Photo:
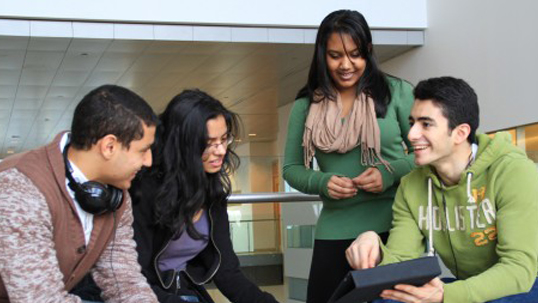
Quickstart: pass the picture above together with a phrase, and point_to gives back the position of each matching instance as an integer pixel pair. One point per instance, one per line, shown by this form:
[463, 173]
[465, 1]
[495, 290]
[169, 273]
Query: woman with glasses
[181, 223]
[352, 118]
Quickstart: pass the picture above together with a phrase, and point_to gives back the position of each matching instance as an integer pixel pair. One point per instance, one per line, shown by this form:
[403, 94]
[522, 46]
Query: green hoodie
[485, 233]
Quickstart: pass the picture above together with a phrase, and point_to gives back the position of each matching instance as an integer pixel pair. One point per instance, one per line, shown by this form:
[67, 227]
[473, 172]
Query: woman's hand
[370, 180]
[341, 188]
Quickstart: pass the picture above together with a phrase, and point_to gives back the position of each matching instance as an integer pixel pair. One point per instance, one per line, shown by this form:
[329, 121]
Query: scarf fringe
[369, 157]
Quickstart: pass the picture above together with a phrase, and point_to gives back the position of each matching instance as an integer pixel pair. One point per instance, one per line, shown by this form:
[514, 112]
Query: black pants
[329, 267]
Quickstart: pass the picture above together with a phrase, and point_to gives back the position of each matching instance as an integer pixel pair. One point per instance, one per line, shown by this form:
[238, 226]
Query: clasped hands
[365, 252]
[370, 180]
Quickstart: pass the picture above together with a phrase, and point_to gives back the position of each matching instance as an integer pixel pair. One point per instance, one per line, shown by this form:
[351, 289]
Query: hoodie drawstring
[470, 197]
[430, 217]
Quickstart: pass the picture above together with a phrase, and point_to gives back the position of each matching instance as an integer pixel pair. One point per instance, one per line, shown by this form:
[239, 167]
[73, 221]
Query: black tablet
[367, 284]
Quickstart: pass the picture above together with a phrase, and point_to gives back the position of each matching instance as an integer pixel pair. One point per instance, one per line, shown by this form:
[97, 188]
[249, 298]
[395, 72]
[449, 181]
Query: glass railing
[256, 226]
[267, 229]
[243, 237]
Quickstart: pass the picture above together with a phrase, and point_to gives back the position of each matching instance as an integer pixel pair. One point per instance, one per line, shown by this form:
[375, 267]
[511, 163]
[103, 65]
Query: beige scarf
[325, 130]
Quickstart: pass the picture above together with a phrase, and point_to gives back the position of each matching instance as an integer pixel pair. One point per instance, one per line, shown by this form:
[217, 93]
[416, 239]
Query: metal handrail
[272, 197]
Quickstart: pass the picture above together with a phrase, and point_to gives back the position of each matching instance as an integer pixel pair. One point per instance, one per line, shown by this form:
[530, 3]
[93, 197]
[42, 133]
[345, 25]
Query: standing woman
[181, 223]
[352, 118]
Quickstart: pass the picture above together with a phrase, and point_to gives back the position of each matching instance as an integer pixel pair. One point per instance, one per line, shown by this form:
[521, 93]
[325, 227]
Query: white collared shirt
[86, 219]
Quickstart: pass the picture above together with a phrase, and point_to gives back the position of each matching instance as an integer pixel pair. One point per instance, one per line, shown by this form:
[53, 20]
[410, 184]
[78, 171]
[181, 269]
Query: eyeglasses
[224, 142]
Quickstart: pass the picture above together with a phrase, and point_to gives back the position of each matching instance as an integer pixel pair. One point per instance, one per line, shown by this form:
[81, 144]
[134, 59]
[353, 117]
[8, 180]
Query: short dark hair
[373, 82]
[456, 98]
[110, 109]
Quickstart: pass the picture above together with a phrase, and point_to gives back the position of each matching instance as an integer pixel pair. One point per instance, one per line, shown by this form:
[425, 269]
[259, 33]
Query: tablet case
[367, 284]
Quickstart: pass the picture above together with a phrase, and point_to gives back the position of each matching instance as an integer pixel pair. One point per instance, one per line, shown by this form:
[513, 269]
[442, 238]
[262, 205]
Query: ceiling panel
[221, 63]
[232, 97]
[292, 66]
[165, 80]
[43, 60]
[71, 78]
[67, 92]
[214, 91]
[56, 103]
[116, 61]
[196, 79]
[283, 48]
[23, 115]
[165, 97]
[4, 115]
[185, 63]
[227, 80]
[255, 63]
[88, 45]
[48, 44]
[98, 78]
[45, 121]
[151, 63]
[288, 93]
[269, 48]
[14, 43]
[135, 79]
[80, 61]
[154, 97]
[4, 121]
[28, 103]
[6, 104]
[11, 59]
[257, 80]
[8, 91]
[128, 46]
[31, 91]
[262, 102]
[164, 47]
[83, 90]
[63, 124]
[390, 51]
[207, 48]
[242, 49]
[37, 77]
[9, 77]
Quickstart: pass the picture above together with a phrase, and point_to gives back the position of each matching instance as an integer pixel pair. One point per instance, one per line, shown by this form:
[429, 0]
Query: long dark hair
[373, 82]
[183, 186]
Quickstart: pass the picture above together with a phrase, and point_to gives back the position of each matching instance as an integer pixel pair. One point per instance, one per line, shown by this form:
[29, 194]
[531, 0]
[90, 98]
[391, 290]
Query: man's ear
[108, 146]
[462, 132]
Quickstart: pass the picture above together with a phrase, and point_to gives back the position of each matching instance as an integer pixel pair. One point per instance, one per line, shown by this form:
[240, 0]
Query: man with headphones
[483, 193]
[65, 210]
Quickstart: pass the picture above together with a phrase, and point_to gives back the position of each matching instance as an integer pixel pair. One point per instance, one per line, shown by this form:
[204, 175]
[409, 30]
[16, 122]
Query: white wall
[380, 13]
[493, 45]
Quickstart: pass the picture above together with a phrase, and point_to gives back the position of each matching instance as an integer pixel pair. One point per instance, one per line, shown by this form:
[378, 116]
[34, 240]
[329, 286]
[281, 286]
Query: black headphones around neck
[93, 197]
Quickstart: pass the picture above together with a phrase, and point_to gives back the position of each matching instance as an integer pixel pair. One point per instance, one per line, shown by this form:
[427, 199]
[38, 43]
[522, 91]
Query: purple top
[181, 250]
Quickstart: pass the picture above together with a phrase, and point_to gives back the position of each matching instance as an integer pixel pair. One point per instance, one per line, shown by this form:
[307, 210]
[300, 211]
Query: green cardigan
[347, 218]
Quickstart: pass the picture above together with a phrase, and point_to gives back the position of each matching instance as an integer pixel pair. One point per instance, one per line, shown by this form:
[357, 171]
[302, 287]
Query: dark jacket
[217, 262]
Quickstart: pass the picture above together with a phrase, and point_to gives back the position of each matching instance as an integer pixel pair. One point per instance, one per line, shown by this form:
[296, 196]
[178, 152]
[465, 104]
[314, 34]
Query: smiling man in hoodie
[485, 205]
